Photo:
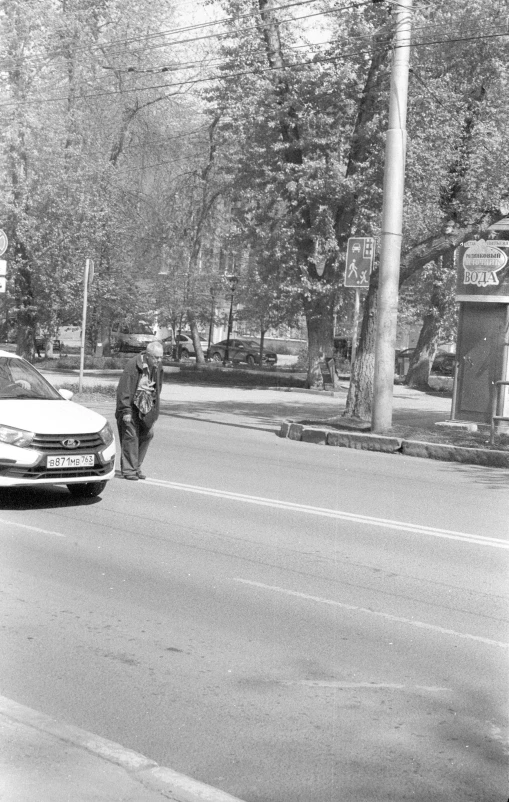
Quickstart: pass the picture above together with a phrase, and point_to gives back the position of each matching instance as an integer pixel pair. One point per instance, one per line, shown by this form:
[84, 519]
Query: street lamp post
[233, 283]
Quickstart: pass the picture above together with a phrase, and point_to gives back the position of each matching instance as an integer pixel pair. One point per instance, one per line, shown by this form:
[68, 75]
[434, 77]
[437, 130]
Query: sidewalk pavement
[266, 408]
[48, 761]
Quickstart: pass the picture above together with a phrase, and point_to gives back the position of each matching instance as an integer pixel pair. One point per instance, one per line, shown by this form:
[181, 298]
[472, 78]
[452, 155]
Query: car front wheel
[86, 489]
[216, 357]
[250, 360]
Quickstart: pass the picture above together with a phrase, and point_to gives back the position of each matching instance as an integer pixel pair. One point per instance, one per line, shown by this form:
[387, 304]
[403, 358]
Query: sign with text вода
[483, 269]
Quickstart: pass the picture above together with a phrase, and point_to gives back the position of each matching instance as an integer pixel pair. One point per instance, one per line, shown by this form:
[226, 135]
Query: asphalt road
[287, 622]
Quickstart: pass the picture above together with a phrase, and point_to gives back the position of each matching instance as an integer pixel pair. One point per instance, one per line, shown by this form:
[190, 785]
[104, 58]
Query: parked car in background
[45, 439]
[135, 335]
[185, 341]
[39, 345]
[241, 350]
[443, 364]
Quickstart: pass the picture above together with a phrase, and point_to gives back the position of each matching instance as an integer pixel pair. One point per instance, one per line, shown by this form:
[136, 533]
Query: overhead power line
[104, 46]
[232, 75]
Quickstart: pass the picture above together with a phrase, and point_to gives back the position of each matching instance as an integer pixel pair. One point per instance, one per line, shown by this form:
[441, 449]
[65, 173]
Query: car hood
[50, 417]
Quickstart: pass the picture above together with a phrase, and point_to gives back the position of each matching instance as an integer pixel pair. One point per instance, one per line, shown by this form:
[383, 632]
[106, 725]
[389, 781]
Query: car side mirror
[66, 394]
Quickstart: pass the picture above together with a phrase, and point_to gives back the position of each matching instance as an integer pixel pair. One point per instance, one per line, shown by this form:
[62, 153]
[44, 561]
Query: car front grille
[50, 443]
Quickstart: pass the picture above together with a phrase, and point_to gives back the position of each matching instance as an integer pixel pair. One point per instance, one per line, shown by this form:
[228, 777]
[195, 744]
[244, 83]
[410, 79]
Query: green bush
[91, 362]
[302, 359]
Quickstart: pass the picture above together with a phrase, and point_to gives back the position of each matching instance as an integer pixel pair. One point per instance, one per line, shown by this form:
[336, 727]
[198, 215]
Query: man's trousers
[134, 442]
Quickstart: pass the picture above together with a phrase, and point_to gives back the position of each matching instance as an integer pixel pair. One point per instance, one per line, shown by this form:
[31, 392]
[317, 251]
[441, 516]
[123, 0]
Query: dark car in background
[241, 350]
[443, 364]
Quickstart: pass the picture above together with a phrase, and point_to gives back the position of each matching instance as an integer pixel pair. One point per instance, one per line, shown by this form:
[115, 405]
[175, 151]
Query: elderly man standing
[137, 410]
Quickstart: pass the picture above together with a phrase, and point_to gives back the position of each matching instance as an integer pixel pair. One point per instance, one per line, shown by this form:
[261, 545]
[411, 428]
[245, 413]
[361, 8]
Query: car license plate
[71, 461]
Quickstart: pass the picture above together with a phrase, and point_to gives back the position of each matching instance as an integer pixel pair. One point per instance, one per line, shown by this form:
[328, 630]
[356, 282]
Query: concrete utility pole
[392, 214]
[88, 277]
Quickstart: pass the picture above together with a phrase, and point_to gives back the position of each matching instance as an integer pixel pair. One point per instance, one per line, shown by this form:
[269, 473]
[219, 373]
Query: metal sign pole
[355, 326]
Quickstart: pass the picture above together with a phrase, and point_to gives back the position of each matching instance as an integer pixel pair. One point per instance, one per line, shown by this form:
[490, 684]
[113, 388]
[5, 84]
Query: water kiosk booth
[482, 373]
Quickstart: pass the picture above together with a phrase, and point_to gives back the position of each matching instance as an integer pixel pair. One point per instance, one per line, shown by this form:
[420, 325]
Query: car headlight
[15, 437]
[106, 434]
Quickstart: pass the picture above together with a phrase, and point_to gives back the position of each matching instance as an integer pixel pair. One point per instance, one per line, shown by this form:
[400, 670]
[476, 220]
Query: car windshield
[18, 379]
[252, 344]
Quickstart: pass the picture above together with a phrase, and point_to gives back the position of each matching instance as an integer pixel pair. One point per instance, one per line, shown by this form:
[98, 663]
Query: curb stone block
[285, 428]
[295, 431]
[448, 453]
[367, 442]
[310, 435]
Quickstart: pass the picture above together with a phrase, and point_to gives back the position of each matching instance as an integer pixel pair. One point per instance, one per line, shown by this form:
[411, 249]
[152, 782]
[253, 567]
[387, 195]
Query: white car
[185, 341]
[45, 438]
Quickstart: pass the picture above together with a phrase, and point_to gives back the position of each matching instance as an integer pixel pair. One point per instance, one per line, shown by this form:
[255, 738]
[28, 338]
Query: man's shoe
[133, 477]
[141, 475]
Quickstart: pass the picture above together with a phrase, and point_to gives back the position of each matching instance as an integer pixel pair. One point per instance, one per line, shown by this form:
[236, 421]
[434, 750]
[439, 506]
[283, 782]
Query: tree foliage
[127, 144]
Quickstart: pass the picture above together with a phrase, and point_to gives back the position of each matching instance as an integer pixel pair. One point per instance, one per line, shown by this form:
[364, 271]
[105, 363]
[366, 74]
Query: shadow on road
[265, 416]
[271, 430]
[268, 416]
[35, 498]
[494, 478]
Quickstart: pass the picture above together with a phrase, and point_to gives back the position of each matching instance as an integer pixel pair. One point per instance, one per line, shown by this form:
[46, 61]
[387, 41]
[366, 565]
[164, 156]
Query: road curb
[393, 445]
[176, 786]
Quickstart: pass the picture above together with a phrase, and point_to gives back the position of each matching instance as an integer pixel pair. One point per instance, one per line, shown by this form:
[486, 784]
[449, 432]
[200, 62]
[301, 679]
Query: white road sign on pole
[3, 242]
[3, 284]
[359, 261]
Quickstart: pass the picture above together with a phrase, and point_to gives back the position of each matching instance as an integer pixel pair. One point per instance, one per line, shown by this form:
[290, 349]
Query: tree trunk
[104, 344]
[26, 315]
[360, 394]
[426, 348]
[48, 348]
[262, 340]
[195, 336]
[424, 354]
[320, 321]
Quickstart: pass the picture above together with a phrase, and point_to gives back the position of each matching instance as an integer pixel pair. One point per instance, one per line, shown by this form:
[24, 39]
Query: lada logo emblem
[70, 443]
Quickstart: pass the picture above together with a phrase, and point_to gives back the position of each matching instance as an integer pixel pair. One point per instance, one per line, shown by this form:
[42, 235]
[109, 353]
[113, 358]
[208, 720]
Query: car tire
[184, 354]
[251, 361]
[86, 489]
[216, 357]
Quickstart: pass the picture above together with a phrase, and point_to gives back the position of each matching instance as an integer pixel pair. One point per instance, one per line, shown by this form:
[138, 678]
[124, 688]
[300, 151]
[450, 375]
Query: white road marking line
[480, 540]
[387, 616]
[32, 528]
[375, 686]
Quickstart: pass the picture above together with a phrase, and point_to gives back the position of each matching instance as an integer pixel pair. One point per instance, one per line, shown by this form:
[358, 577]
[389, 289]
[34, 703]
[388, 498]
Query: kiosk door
[480, 358]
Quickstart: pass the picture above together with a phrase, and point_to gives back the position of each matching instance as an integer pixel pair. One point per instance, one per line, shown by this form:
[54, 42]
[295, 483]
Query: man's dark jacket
[127, 387]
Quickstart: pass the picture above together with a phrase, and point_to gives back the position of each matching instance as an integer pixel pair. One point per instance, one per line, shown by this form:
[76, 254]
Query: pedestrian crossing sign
[360, 255]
